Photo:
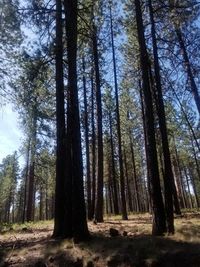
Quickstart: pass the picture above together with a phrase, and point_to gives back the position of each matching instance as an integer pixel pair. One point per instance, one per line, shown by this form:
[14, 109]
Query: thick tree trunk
[62, 225]
[168, 174]
[79, 223]
[159, 223]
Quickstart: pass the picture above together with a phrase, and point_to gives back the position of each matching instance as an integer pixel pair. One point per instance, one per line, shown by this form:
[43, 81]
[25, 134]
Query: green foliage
[9, 173]
[10, 40]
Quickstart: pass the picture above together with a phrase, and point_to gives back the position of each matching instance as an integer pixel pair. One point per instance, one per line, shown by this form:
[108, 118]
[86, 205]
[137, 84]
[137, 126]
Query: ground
[32, 245]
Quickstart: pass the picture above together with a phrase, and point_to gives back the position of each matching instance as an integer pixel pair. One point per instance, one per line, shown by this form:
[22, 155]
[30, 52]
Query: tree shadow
[138, 250]
[189, 232]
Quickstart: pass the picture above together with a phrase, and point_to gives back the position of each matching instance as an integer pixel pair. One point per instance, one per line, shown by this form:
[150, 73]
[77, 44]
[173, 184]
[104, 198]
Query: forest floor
[32, 245]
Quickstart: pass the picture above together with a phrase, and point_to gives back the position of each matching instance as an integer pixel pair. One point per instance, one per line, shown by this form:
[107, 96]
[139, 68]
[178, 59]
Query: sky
[10, 133]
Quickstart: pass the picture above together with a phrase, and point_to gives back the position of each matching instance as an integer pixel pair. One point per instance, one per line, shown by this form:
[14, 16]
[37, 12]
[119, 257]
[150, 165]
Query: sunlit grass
[138, 245]
[15, 227]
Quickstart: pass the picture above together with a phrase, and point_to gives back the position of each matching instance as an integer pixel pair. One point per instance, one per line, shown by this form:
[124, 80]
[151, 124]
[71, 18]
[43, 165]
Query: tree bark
[114, 180]
[99, 199]
[93, 151]
[121, 169]
[168, 174]
[62, 225]
[159, 223]
[89, 211]
[188, 67]
[31, 180]
[79, 223]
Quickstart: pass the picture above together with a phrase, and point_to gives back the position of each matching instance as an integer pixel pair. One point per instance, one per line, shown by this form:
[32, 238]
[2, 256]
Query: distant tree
[121, 168]
[9, 174]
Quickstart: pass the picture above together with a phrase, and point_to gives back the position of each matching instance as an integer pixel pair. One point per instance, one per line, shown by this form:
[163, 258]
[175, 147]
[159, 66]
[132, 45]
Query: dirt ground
[133, 246]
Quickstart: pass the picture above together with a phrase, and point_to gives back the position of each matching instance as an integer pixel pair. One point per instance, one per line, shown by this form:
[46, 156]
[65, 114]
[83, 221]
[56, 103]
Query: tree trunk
[99, 199]
[26, 182]
[159, 223]
[93, 151]
[168, 174]
[62, 225]
[31, 180]
[194, 186]
[129, 196]
[188, 67]
[121, 169]
[79, 223]
[89, 213]
[188, 187]
[114, 179]
[134, 175]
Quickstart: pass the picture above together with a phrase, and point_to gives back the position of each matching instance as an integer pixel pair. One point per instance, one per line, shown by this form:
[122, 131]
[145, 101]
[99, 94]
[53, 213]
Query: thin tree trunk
[87, 146]
[145, 145]
[180, 174]
[187, 119]
[194, 187]
[99, 200]
[134, 175]
[114, 180]
[26, 183]
[178, 183]
[93, 151]
[129, 196]
[188, 188]
[121, 169]
[31, 198]
[188, 67]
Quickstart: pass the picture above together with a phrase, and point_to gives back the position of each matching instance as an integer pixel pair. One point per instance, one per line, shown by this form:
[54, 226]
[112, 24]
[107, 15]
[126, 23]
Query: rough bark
[159, 223]
[62, 226]
[167, 174]
[79, 223]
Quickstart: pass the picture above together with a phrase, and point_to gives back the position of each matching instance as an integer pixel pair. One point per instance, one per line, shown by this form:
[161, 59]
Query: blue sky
[10, 133]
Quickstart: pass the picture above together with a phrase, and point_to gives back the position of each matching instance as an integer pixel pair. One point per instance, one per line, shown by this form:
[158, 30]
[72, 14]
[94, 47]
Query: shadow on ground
[102, 251]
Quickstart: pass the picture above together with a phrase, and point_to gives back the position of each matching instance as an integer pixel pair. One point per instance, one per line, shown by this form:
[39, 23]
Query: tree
[62, 226]
[186, 61]
[9, 174]
[72, 195]
[168, 174]
[121, 168]
[159, 225]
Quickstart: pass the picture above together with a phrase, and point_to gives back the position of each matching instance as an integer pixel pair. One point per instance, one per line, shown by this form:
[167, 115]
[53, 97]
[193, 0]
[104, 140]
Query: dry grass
[33, 246]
